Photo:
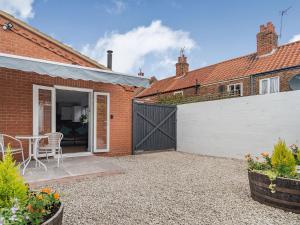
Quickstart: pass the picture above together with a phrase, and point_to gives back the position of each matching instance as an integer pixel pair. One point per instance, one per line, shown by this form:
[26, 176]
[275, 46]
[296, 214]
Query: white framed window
[235, 89]
[178, 93]
[269, 85]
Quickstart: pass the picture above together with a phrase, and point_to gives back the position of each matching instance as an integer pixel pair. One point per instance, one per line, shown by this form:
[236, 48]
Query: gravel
[169, 188]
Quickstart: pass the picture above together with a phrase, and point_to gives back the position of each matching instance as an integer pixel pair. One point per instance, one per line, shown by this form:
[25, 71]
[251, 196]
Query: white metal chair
[53, 146]
[15, 149]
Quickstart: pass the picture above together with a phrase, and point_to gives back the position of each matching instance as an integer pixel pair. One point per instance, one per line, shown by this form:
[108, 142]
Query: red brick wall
[16, 106]
[20, 41]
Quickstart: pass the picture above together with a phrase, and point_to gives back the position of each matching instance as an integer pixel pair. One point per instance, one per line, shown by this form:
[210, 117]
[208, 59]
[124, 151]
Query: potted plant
[83, 119]
[273, 179]
[22, 206]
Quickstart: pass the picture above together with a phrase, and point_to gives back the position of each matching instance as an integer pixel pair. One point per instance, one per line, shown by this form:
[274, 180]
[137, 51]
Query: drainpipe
[252, 84]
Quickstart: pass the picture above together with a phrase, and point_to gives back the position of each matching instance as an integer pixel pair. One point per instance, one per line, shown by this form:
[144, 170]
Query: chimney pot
[109, 59]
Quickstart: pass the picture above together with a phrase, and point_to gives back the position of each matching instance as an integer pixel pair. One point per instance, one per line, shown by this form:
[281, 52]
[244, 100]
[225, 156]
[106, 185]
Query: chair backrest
[2, 150]
[2, 140]
[2, 145]
[54, 139]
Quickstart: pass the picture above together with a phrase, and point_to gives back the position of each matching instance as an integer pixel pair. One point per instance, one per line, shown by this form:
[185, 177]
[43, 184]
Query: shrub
[283, 160]
[12, 185]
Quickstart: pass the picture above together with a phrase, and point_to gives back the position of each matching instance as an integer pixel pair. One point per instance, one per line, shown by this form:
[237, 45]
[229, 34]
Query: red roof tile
[283, 57]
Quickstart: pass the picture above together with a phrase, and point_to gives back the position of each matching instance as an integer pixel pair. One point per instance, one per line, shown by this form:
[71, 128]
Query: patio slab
[71, 168]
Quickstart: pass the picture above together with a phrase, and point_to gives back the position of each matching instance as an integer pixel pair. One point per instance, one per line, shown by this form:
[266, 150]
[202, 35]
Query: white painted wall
[234, 127]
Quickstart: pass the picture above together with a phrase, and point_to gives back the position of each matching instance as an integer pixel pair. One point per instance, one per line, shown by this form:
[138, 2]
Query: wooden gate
[154, 127]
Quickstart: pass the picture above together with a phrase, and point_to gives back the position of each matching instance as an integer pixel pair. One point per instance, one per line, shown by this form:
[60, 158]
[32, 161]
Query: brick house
[46, 86]
[270, 69]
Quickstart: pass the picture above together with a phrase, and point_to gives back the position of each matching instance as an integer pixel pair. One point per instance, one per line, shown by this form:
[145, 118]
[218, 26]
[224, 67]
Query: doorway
[83, 116]
[72, 120]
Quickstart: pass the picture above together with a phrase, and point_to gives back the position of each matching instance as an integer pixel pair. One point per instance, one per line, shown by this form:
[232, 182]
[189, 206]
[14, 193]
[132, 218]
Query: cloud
[117, 7]
[19, 8]
[295, 38]
[152, 47]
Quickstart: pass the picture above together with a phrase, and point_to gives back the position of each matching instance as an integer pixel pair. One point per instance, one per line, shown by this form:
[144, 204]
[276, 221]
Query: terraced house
[270, 69]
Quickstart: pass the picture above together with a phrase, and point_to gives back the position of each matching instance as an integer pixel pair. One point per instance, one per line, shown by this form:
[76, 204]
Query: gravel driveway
[169, 188]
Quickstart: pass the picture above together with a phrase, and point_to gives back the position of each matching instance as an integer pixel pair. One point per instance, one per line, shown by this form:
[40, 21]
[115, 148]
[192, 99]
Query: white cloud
[19, 8]
[295, 38]
[154, 46]
[117, 7]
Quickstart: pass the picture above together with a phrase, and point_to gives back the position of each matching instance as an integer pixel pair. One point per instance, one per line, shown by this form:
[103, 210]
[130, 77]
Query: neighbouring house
[270, 69]
[46, 86]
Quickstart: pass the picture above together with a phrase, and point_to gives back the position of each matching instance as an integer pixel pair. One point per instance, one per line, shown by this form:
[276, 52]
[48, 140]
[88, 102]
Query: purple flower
[14, 210]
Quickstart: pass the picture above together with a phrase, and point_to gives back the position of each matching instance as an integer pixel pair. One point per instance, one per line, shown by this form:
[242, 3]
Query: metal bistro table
[32, 150]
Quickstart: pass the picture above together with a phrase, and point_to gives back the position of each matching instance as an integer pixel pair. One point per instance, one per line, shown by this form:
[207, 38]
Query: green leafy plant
[83, 118]
[283, 160]
[12, 185]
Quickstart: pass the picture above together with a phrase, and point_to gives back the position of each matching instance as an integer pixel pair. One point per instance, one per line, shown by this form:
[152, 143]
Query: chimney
[182, 67]
[266, 39]
[109, 59]
[152, 79]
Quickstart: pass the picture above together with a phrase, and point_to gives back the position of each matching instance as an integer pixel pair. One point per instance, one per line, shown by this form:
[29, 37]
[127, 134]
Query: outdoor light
[7, 26]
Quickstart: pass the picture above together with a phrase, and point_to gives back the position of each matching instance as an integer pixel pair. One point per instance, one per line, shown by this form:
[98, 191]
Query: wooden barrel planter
[56, 219]
[286, 196]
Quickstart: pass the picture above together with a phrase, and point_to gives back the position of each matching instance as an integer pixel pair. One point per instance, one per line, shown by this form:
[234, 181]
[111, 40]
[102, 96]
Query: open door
[101, 122]
[43, 110]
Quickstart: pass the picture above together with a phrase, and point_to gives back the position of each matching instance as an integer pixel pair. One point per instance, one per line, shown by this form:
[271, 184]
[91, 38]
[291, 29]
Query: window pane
[274, 85]
[101, 123]
[45, 109]
[264, 87]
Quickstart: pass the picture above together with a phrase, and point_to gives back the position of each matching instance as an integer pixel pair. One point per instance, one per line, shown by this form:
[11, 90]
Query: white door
[43, 110]
[101, 122]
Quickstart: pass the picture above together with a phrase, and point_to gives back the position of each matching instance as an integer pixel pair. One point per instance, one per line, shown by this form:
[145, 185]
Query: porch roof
[66, 71]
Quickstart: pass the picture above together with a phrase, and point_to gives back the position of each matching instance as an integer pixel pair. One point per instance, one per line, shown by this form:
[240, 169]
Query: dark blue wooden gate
[154, 127]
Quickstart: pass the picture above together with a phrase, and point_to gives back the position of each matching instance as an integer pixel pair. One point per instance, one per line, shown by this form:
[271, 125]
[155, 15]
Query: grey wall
[234, 127]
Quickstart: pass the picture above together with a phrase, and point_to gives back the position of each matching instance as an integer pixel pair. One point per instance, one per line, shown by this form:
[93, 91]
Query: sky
[149, 34]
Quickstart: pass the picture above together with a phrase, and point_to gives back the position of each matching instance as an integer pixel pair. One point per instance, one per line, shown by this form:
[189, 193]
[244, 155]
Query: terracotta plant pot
[57, 218]
[286, 196]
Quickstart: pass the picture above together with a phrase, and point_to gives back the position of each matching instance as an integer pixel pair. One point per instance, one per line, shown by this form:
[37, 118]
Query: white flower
[13, 218]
